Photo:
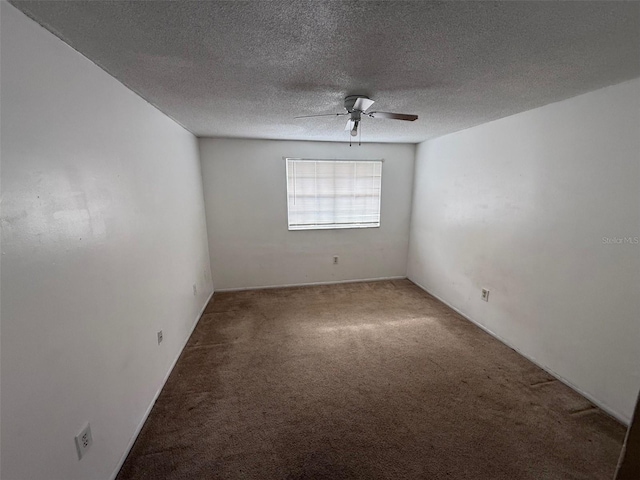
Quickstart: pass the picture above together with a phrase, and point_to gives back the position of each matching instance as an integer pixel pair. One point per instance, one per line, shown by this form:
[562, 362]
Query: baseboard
[610, 411]
[332, 282]
[134, 437]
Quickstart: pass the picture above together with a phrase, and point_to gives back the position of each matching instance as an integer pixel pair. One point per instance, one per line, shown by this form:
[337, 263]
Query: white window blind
[324, 194]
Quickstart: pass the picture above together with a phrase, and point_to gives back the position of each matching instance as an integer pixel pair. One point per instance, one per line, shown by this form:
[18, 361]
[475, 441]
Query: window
[323, 194]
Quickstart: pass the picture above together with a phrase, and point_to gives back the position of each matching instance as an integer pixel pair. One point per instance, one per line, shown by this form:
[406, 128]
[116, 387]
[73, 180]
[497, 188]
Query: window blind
[325, 194]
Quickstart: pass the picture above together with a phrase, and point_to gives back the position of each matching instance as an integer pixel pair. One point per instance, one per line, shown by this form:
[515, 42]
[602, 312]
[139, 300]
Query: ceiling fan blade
[362, 104]
[322, 115]
[349, 125]
[393, 116]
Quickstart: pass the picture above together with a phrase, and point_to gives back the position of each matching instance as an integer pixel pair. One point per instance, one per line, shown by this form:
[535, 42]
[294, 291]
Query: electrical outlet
[335, 260]
[84, 440]
[195, 290]
[159, 337]
[485, 295]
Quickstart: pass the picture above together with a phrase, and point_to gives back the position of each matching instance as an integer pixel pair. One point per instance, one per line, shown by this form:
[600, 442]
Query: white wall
[246, 203]
[521, 206]
[103, 235]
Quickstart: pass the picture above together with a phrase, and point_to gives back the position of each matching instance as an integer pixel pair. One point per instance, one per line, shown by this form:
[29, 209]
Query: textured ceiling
[245, 69]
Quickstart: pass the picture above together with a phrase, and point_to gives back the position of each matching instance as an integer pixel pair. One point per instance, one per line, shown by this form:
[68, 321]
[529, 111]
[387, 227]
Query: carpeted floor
[372, 380]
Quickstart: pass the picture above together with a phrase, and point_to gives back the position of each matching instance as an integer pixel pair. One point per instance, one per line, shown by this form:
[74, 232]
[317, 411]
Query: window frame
[332, 226]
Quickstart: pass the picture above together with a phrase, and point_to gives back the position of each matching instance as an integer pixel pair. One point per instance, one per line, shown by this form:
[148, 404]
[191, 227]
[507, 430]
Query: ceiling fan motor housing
[351, 100]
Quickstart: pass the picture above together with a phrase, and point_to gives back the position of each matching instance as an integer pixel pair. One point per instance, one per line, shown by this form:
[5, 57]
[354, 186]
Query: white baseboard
[332, 282]
[604, 407]
[134, 437]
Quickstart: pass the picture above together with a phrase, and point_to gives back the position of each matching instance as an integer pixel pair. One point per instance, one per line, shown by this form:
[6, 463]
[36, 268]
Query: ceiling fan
[357, 106]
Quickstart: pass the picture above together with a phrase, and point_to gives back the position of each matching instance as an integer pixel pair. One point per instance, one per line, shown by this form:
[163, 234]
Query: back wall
[246, 207]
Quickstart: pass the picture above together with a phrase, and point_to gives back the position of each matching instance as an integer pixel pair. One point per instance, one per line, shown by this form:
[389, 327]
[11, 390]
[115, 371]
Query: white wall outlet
[84, 440]
[485, 294]
[195, 290]
[335, 259]
[159, 337]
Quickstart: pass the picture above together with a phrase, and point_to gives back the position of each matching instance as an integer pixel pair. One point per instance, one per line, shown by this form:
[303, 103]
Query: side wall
[246, 203]
[543, 209]
[103, 236]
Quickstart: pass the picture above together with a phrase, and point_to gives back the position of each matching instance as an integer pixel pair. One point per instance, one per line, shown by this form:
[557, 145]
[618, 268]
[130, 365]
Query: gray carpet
[372, 380]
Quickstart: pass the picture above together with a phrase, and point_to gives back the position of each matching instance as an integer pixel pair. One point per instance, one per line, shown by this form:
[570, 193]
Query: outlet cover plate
[160, 337]
[485, 295]
[84, 440]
